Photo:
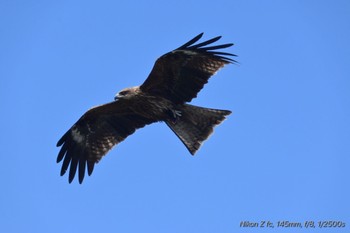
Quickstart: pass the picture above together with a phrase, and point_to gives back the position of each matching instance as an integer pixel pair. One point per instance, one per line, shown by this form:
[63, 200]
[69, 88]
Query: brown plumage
[175, 79]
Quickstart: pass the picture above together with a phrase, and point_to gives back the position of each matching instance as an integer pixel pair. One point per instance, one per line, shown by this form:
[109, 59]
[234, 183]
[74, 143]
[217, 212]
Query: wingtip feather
[200, 47]
[191, 42]
[213, 40]
[82, 165]
[62, 139]
[61, 153]
[90, 167]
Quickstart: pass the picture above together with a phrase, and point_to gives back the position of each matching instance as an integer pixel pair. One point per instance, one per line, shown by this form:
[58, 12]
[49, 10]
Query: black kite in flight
[175, 79]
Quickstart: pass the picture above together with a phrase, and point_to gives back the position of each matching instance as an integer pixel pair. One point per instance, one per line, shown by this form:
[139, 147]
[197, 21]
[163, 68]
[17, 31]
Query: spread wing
[180, 74]
[94, 134]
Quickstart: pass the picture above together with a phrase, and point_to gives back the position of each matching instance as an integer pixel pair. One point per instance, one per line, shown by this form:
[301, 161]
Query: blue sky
[282, 155]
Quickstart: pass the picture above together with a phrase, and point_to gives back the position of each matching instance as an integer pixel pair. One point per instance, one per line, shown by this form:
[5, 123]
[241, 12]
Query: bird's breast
[152, 107]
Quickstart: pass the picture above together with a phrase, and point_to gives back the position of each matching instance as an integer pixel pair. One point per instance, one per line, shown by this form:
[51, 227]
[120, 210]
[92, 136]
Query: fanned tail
[196, 124]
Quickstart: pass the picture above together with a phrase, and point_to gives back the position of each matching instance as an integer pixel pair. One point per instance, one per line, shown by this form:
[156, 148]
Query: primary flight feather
[175, 79]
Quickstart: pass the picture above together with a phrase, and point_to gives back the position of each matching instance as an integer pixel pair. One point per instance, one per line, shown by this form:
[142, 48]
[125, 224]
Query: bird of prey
[175, 79]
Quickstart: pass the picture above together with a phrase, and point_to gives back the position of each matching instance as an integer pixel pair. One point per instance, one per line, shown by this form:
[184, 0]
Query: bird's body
[155, 108]
[175, 79]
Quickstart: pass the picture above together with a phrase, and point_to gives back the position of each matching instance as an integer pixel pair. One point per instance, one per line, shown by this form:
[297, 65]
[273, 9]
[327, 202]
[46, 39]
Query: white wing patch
[187, 52]
[77, 136]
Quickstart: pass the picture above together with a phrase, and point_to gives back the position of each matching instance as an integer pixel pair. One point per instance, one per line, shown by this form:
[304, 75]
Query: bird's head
[127, 93]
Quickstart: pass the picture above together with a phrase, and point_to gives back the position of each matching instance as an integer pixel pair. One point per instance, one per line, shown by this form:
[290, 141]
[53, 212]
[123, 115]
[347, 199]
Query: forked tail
[196, 124]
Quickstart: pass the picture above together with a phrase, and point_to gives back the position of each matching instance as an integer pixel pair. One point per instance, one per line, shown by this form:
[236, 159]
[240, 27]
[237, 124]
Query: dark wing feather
[94, 134]
[179, 75]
